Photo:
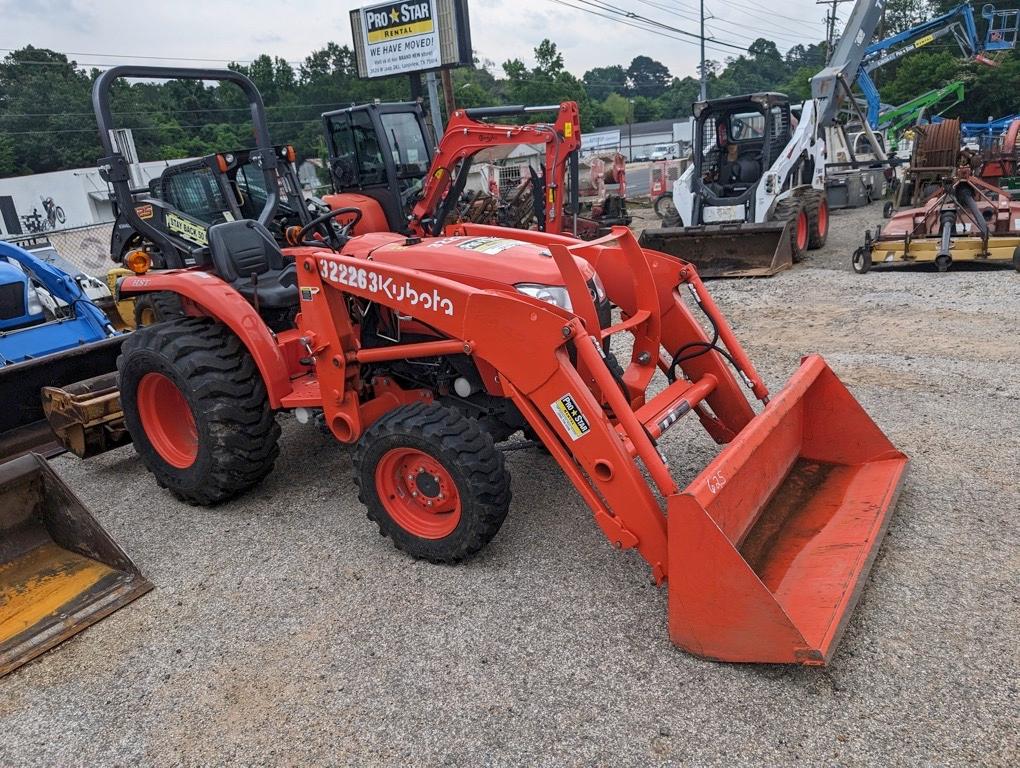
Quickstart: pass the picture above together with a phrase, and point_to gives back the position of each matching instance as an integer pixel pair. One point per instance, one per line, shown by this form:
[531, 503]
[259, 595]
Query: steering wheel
[335, 236]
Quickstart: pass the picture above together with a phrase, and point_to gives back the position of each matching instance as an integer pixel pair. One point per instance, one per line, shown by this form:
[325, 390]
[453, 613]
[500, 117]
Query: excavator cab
[379, 152]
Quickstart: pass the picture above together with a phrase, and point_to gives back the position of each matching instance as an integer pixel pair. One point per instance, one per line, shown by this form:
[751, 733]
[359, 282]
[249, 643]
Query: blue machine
[26, 331]
[51, 335]
[1001, 35]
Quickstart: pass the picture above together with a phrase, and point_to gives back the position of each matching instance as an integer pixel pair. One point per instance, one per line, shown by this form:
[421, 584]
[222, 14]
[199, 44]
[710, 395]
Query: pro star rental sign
[400, 37]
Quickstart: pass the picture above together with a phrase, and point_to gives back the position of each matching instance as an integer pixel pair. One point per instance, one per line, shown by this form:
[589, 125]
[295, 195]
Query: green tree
[647, 77]
[619, 108]
[602, 81]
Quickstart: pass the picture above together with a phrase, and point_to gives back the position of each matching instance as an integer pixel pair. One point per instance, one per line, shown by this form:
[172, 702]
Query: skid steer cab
[424, 352]
[752, 202]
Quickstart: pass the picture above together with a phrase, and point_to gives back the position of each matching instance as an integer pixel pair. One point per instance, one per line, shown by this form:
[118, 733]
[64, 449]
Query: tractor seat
[241, 249]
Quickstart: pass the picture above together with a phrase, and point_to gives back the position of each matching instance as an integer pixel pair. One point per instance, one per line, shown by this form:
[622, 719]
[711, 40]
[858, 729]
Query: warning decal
[570, 417]
[488, 245]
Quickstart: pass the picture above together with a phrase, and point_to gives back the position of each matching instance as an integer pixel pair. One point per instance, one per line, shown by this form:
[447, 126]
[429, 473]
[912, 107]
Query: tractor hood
[467, 258]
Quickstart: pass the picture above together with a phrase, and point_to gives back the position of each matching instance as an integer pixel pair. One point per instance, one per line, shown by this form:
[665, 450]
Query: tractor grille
[12, 301]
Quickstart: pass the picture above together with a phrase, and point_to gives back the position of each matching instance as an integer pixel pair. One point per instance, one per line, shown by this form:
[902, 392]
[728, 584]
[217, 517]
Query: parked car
[664, 152]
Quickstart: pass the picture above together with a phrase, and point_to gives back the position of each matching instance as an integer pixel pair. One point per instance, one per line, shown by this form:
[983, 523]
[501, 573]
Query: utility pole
[434, 112]
[830, 25]
[704, 80]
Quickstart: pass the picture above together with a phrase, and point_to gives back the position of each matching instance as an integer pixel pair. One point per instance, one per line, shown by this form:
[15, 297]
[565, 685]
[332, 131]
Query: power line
[752, 32]
[617, 20]
[637, 17]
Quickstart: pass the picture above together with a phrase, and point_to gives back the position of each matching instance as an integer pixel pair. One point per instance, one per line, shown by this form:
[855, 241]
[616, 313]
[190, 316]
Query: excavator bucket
[59, 570]
[771, 544]
[726, 250]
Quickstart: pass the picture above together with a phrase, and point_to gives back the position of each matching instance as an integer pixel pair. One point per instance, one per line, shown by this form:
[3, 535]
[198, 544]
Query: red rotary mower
[422, 352]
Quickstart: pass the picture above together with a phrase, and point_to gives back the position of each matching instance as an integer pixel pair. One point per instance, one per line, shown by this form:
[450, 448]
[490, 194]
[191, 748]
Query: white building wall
[80, 193]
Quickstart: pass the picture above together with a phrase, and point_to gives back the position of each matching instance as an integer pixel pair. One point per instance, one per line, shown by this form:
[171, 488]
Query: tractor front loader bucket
[23, 425]
[59, 570]
[771, 544]
[726, 250]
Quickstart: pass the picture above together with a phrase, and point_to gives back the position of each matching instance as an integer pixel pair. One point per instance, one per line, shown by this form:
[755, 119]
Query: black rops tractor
[169, 221]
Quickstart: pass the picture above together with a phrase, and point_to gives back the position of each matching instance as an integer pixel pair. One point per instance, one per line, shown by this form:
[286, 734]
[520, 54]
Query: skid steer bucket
[770, 546]
[59, 570]
[726, 250]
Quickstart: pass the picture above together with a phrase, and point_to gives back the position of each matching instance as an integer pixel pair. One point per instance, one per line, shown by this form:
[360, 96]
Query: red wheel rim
[823, 218]
[802, 231]
[418, 493]
[167, 420]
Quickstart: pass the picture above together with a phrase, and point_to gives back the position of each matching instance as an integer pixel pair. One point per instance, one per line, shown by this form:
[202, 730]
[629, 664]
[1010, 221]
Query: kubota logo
[369, 281]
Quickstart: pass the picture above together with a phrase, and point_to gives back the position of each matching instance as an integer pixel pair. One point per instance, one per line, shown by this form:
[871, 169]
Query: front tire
[816, 206]
[861, 261]
[197, 409]
[432, 481]
[664, 207]
[792, 210]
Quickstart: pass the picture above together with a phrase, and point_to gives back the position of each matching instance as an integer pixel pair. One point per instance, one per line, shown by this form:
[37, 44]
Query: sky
[216, 31]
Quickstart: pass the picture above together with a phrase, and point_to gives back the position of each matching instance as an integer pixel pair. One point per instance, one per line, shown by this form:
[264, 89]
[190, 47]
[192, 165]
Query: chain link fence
[86, 249]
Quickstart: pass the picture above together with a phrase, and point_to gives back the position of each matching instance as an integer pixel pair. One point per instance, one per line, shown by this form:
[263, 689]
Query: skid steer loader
[425, 350]
[752, 202]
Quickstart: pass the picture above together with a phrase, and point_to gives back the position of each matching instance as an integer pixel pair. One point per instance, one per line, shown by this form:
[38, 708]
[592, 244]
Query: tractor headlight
[553, 294]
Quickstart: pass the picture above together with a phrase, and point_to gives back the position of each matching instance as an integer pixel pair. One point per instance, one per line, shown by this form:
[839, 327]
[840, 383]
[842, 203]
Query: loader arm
[467, 134]
[765, 552]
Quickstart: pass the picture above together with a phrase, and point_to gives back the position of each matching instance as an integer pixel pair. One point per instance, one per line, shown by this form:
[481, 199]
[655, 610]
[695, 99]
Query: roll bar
[115, 168]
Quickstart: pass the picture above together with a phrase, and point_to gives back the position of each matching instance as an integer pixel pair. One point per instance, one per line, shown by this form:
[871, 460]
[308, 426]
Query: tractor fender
[210, 296]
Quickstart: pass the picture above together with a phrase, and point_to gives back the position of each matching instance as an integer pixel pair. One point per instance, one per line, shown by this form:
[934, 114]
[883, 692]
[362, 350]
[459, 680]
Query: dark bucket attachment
[771, 544]
[726, 250]
[59, 570]
[23, 425]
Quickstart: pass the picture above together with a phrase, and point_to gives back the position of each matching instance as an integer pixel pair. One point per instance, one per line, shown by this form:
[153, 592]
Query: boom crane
[959, 22]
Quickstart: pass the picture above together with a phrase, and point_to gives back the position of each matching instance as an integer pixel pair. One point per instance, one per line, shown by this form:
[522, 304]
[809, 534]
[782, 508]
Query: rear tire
[197, 409]
[432, 481]
[817, 208]
[791, 209]
[152, 308]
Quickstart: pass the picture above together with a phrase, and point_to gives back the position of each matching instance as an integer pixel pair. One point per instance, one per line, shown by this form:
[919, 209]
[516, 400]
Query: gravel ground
[283, 630]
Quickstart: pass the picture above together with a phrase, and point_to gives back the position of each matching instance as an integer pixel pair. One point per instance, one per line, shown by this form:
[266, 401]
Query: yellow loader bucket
[59, 570]
[727, 250]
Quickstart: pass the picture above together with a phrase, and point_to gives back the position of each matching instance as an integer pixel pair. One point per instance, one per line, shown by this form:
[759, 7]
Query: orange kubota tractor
[418, 349]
